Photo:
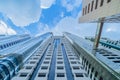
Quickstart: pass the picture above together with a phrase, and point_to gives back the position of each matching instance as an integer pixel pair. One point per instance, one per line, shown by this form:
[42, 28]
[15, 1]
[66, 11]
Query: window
[116, 61]
[101, 4]
[102, 53]
[92, 5]
[88, 7]
[111, 57]
[92, 69]
[35, 58]
[28, 67]
[71, 58]
[44, 67]
[118, 57]
[76, 67]
[60, 75]
[59, 58]
[7, 45]
[108, 1]
[32, 62]
[47, 58]
[38, 55]
[42, 75]
[48, 55]
[59, 62]
[1, 47]
[46, 62]
[79, 63]
[87, 63]
[60, 67]
[23, 74]
[96, 4]
[4, 46]
[106, 55]
[70, 55]
[79, 74]
[91, 75]
[89, 66]
[59, 55]
[73, 62]
[10, 44]
[85, 60]
[86, 10]
[96, 73]
[88, 71]
[101, 78]
[114, 55]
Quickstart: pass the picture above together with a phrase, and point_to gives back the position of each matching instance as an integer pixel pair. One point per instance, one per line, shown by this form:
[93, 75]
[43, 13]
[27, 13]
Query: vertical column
[98, 35]
[53, 61]
[67, 64]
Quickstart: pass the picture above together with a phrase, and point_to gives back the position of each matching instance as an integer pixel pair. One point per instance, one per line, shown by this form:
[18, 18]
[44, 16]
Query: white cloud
[112, 27]
[4, 29]
[46, 3]
[10, 31]
[62, 14]
[70, 6]
[71, 25]
[43, 28]
[21, 12]
[111, 30]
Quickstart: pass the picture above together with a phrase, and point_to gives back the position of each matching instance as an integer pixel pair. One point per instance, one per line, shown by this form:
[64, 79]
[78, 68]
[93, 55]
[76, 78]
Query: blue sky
[39, 16]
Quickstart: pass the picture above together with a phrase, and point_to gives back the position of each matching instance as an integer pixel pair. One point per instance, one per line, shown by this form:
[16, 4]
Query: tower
[100, 11]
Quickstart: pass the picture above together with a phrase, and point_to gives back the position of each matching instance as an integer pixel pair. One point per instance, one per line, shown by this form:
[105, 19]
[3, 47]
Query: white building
[92, 10]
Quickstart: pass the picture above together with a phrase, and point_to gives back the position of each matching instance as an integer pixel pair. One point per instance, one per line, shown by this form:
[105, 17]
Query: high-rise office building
[66, 57]
[55, 59]
[46, 57]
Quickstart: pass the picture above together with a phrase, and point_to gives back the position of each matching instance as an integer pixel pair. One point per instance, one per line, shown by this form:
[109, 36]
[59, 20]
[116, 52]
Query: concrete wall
[106, 10]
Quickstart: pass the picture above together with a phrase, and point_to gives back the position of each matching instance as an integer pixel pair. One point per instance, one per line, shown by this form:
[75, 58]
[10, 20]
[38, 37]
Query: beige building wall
[105, 9]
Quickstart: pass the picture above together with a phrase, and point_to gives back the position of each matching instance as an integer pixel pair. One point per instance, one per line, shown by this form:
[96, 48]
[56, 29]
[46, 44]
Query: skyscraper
[66, 57]
[55, 59]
